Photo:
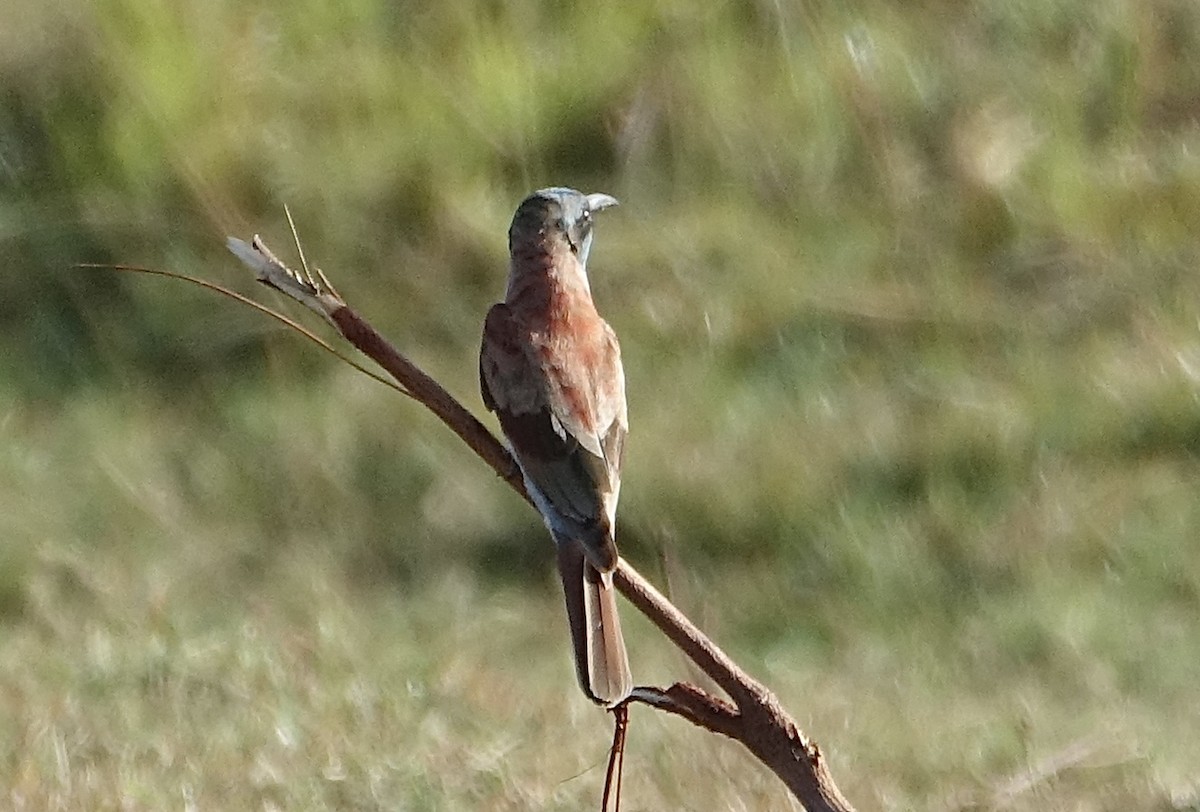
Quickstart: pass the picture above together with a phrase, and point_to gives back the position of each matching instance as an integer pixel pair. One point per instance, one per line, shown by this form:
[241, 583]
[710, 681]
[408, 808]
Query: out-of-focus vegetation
[909, 303]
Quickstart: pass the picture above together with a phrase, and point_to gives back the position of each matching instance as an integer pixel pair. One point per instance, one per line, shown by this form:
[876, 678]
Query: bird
[550, 369]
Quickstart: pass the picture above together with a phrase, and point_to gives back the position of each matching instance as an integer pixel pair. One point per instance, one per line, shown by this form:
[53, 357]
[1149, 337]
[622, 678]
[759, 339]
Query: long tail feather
[601, 662]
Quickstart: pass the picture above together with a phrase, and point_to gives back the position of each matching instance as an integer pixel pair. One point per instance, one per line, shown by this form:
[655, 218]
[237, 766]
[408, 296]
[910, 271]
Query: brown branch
[695, 704]
[755, 718]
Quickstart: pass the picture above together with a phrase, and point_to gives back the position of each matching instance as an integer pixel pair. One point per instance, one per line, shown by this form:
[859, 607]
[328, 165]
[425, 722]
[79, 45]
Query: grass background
[909, 308]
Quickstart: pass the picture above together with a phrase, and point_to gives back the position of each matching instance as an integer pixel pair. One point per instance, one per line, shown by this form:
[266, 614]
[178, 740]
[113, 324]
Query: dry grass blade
[246, 300]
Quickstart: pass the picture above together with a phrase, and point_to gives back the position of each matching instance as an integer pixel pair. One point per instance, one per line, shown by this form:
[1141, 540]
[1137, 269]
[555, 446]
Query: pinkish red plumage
[550, 368]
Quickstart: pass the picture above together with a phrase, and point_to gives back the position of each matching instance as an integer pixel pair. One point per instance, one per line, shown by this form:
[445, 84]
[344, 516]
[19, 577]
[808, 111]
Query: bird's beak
[598, 200]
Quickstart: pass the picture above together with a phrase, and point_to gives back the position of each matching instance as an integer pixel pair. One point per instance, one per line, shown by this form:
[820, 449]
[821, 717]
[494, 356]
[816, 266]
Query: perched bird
[550, 368]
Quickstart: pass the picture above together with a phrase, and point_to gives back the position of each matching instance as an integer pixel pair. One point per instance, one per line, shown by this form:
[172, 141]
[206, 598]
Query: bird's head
[557, 215]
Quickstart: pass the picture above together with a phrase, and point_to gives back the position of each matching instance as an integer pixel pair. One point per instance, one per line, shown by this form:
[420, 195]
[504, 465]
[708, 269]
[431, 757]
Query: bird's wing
[562, 407]
[506, 378]
[586, 394]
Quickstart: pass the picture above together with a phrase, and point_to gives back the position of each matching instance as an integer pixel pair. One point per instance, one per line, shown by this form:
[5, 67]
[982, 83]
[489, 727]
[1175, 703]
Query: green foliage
[908, 303]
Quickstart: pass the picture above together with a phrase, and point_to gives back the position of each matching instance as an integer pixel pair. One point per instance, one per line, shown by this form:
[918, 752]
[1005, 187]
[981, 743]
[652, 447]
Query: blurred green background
[911, 324]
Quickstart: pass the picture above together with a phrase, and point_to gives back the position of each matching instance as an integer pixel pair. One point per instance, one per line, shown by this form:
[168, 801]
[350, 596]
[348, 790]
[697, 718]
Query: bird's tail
[601, 662]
